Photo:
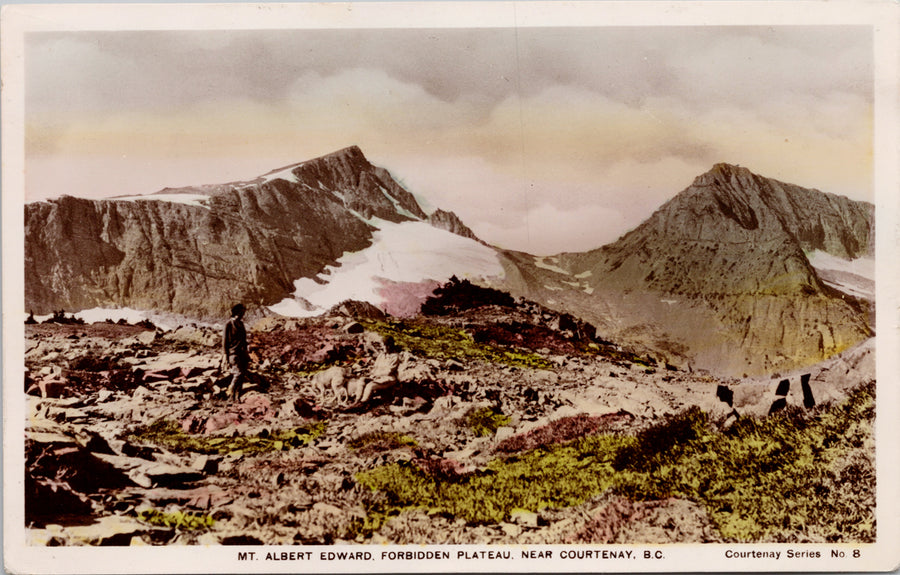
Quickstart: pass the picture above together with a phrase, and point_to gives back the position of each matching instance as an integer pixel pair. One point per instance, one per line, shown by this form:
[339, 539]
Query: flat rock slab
[152, 474]
[113, 530]
[204, 497]
[166, 475]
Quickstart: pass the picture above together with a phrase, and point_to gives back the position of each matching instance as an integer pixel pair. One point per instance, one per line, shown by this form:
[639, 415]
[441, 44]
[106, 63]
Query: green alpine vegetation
[438, 341]
[375, 441]
[169, 434]
[176, 519]
[485, 421]
[794, 476]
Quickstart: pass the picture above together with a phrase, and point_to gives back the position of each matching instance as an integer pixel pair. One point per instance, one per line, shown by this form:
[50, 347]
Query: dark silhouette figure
[784, 386]
[234, 345]
[725, 394]
[808, 400]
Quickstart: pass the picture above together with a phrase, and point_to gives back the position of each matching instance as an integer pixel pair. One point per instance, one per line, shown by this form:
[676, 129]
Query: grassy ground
[169, 434]
[437, 341]
[176, 519]
[795, 476]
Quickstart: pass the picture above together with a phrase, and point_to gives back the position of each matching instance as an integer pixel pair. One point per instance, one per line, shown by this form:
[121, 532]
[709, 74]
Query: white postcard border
[17, 20]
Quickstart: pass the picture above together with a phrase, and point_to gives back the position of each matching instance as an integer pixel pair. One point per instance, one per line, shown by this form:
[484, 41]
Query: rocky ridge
[451, 222]
[718, 278]
[243, 241]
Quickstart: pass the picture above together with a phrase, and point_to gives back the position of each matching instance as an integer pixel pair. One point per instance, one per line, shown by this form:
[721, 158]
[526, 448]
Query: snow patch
[863, 267]
[397, 207]
[851, 289]
[853, 277]
[408, 252]
[286, 174]
[373, 221]
[584, 275]
[164, 321]
[542, 262]
[99, 314]
[198, 200]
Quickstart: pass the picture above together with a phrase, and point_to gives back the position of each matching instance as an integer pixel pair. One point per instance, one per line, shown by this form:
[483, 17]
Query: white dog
[335, 379]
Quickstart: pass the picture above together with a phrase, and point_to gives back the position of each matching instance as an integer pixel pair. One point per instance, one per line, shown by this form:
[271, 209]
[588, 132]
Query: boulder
[357, 309]
[59, 473]
[51, 386]
[193, 335]
[443, 405]
[147, 337]
[543, 377]
[353, 327]
[503, 433]
[48, 501]
[524, 517]
[93, 442]
[454, 365]
[267, 324]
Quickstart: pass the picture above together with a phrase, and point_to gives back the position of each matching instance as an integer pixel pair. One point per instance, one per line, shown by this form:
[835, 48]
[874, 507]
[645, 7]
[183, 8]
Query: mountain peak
[723, 172]
[726, 168]
[450, 221]
[352, 154]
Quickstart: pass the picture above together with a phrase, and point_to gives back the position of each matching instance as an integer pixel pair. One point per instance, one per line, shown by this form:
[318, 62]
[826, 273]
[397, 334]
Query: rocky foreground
[129, 440]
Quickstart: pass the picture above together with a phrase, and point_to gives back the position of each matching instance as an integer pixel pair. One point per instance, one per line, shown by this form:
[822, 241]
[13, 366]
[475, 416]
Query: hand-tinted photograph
[543, 285]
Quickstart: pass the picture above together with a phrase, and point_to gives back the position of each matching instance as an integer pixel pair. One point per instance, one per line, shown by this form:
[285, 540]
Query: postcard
[451, 287]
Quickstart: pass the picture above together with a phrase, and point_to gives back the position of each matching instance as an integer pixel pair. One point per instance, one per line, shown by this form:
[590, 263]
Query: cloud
[547, 230]
[514, 211]
[583, 125]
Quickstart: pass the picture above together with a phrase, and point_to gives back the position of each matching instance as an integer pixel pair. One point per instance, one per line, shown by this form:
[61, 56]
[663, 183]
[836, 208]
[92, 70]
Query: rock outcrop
[451, 222]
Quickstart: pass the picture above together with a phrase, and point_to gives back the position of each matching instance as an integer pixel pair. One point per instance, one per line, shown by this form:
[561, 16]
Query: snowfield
[162, 320]
[286, 174]
[409, 252]
[864, 267]
[198, 200]
[854, 277]
[400, 209]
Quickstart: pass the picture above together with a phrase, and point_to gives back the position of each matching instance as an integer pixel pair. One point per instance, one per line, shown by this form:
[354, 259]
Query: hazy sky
[541, 139]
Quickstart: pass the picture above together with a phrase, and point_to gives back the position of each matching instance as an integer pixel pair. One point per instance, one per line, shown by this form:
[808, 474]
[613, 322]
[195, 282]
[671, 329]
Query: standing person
[234, 345]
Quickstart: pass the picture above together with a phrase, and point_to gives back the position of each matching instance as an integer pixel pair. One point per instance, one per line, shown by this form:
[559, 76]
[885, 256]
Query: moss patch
[437, 341]
[170, 435]
[561, 430]
[789, 477]
[376, 441]
[176, 520]
[567, 476]
[484, 421]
